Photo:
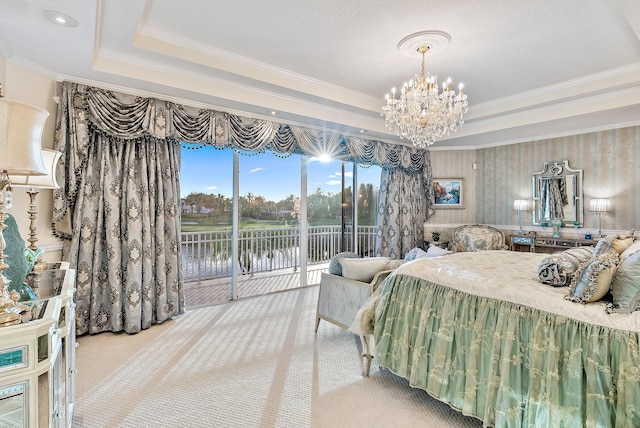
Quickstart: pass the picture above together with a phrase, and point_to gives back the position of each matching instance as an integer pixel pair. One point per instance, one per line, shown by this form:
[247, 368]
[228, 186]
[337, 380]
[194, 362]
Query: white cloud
[339, 174]
[256, 170]
[211, 187]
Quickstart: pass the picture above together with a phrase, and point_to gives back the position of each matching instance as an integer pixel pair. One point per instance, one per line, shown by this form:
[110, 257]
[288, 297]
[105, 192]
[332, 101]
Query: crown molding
[32, 66]
[571, 108]
[194, 51]
[581, 87]
[178, 78]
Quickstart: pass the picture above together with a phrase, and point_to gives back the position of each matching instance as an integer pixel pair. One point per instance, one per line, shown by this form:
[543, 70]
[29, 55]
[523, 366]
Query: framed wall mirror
[557, 194]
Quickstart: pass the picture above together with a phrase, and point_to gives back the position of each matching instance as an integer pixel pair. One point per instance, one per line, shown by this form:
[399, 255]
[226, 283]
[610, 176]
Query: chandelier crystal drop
[421, 113]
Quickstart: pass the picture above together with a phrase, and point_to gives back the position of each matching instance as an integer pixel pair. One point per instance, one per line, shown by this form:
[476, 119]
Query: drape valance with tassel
[130, 117]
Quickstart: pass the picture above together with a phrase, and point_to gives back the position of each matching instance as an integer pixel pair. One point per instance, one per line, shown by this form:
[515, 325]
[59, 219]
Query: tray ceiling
[532, 69]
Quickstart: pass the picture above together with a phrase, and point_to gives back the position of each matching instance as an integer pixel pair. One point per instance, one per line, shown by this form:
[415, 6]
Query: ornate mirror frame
[557, 193]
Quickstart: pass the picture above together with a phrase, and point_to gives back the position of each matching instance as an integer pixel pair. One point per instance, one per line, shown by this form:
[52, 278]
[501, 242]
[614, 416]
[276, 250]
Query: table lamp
[34, 183]
[599, 206]
[21, 128]
[521, 206]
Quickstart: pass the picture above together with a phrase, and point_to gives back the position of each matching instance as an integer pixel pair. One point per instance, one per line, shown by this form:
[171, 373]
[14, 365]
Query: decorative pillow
[634, 248]
[434, 251]
[415, 253]
[625, 287]
[335, 267]
[558, 269]
[622, 241]
[363, 269]
[603, 246]
[592, 280]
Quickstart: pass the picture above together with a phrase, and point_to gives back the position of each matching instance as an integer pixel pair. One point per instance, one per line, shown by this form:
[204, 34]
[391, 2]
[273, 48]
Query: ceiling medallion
[422, 113]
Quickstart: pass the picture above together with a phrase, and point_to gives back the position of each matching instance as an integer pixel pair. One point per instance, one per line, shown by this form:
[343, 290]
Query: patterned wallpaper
[610, 161]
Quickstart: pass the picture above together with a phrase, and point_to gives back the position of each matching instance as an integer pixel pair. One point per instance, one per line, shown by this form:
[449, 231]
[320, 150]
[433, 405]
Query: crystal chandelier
[422, 113]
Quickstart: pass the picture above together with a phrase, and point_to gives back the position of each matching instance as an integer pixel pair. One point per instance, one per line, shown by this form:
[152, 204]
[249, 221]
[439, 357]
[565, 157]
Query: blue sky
[208, 170]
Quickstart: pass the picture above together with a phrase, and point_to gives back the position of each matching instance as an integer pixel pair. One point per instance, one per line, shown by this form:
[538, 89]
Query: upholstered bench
[340, 298]
[351, 281]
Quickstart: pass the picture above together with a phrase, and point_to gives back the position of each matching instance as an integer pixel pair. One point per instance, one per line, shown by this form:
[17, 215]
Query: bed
[480, 332]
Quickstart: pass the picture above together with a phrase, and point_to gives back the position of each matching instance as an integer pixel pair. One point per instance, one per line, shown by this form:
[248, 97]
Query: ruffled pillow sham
[592, 280]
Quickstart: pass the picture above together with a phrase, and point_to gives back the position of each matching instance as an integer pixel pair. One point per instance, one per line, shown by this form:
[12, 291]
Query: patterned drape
[120, 212]
[120, 176]
[400, 213]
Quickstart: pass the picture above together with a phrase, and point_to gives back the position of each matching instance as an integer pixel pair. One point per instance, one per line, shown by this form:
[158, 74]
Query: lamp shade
[50, 158]
[21, 128]
[599, 205]
[521, 205]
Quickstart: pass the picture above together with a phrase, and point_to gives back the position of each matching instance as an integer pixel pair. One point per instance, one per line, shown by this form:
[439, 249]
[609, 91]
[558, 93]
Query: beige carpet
[249, 363]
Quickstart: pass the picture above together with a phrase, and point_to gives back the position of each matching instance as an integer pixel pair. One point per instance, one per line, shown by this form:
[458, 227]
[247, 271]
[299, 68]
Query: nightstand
[523, 243]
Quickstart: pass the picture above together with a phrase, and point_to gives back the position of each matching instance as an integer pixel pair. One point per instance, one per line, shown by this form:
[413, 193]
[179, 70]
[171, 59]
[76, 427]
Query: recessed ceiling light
[60, 18]
[273, 112]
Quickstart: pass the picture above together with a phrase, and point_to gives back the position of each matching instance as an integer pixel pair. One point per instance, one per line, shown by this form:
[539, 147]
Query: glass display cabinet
[37, 357]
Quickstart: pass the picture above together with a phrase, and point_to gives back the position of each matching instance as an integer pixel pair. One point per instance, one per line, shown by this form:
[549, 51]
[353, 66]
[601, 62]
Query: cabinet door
[69, 353]
[14, 399]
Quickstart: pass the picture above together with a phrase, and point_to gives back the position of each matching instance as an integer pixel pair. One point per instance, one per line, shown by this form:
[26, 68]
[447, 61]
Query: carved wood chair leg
[366, 364]
[366, 356]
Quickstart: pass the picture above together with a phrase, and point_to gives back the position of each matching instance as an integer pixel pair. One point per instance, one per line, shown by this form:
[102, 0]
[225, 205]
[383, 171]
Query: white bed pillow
[364, 269]
[415, 253]
[434, 251]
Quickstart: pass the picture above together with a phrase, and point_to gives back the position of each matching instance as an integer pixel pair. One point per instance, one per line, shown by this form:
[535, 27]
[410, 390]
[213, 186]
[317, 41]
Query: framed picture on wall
[448, 193]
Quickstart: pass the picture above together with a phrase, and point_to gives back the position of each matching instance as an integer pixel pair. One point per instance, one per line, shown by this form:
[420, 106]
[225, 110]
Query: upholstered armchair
[477, 237]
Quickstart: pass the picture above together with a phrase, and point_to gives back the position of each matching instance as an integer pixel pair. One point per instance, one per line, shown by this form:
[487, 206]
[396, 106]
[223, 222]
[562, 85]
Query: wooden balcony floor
[215, 291]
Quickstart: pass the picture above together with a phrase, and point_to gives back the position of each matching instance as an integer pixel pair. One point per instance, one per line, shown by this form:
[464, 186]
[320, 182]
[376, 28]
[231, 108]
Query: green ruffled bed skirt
[507, 364]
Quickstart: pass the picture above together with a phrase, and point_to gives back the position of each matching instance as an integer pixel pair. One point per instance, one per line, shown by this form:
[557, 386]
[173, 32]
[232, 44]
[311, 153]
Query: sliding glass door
[269, 224]
[261, 223]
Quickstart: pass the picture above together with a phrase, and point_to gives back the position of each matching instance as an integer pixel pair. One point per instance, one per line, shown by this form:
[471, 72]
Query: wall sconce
[599, 206]
[521, 206]
[21, 128]
[35, 183]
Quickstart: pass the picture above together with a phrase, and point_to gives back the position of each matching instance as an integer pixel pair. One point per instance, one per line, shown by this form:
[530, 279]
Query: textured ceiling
[531, 69]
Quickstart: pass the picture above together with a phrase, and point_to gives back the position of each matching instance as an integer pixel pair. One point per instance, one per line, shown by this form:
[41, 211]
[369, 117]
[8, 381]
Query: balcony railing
[207, 255]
